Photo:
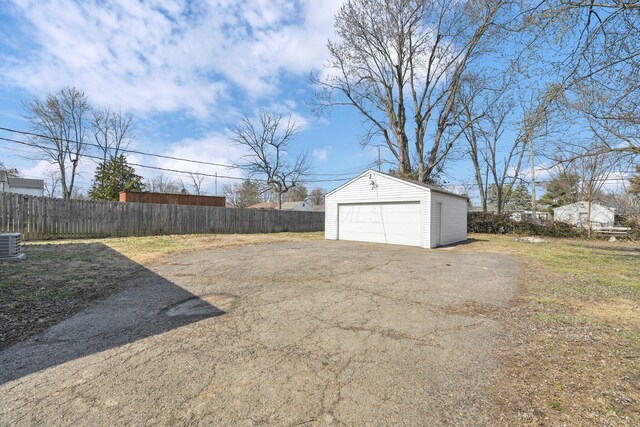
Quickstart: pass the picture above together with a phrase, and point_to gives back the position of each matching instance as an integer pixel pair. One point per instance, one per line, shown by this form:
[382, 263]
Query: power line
[124, 150]
[169, 169]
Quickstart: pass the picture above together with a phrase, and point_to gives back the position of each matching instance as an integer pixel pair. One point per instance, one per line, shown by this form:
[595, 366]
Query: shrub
[486, 222]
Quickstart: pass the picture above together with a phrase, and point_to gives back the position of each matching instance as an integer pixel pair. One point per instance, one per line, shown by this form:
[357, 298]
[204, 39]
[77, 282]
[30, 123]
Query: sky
[187, 71]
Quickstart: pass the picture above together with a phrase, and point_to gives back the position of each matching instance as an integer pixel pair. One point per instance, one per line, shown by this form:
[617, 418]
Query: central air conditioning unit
[10, 246]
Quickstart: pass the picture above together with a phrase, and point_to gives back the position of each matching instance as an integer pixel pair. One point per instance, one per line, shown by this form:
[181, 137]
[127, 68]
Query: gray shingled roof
[26, 183]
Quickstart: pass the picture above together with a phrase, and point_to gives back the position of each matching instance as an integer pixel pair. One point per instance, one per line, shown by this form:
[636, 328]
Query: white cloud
[212, 148]
[161, 55]
[321, 154]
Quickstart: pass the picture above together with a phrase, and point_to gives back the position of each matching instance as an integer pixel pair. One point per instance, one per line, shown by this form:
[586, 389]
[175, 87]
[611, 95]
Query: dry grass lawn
[572, 352]
[62, 277]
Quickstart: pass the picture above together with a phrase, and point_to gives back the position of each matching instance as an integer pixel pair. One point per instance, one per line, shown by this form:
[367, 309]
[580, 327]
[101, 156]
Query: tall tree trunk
[589, 211]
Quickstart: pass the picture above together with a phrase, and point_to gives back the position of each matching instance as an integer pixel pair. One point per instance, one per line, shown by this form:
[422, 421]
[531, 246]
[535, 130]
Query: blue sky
[185, 72]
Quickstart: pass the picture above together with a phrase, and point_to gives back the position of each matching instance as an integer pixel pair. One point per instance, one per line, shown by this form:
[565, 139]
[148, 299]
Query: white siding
[453, 218]
[388, 190]
[27, 191]
[362, 191]
[576, 214]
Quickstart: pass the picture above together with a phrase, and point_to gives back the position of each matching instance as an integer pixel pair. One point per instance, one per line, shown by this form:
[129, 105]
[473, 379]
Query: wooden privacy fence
[46, 218]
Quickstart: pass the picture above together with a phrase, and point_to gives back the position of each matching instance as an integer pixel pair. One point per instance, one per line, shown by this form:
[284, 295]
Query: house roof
[26, 183]
[265, 205]
[290, 205]
[408, 181]
[584, 204]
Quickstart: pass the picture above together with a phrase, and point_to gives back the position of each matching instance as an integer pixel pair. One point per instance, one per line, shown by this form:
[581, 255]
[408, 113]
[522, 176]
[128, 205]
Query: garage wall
[361, 191]
[453, 218]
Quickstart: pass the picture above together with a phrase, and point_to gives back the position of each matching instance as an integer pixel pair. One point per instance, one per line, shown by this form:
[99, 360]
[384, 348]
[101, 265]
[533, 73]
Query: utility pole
[379, 161]
[216, 183]
[533, 181]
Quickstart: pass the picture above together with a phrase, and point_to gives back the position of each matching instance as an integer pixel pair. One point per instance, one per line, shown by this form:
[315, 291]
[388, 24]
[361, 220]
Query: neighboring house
[29, 187]
[296, 206]
[577, 213]
[380, 208]
[264, 205]
[518, 216]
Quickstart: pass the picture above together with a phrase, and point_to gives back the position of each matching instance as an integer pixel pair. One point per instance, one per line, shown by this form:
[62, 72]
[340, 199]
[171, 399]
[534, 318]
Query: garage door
[395, 223]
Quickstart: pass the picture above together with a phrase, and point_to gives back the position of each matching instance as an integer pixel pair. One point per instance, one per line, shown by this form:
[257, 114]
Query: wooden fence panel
[46, 218]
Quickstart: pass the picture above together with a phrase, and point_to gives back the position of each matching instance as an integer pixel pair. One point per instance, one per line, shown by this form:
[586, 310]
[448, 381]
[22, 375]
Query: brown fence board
[46, 218]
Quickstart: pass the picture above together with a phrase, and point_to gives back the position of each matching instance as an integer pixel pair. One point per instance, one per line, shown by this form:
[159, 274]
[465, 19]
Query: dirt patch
[61, 278]
[55, 282]
[473, 309]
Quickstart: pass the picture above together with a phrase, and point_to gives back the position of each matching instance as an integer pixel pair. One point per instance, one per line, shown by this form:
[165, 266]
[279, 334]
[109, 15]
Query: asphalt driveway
[316, 332]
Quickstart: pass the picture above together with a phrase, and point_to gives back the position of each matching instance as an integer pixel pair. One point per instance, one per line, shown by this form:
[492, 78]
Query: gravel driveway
[317, 332]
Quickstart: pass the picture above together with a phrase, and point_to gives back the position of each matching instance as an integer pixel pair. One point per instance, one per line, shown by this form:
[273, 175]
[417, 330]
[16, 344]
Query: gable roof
[583, 204]
[412, 182]
[21, 182]
[290, 205]
[26, 183]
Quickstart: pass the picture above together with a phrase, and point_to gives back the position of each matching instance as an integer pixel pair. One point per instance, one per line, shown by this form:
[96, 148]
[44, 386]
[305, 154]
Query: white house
[380, 208]
[296, 206]
[30, 187]
[576, 214]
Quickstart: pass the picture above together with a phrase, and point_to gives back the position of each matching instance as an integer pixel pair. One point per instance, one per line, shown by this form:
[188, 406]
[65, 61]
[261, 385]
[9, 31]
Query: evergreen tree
[113, 176]
[563, 189]
[519, 199]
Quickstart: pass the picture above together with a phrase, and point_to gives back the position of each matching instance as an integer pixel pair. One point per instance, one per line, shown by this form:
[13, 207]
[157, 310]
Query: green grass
[589, 268]
[577, 319]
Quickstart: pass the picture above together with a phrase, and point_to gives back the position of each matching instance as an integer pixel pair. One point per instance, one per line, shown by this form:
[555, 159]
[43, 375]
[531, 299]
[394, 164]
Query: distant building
[577, 213]
[29, 187]
[171, 199]
[527, 215]
[296, 206]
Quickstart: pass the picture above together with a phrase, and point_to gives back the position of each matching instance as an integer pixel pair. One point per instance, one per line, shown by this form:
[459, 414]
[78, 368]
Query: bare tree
[164, 184]
[317, 196]
[592, 168]
[51, 183]
[196, 183]
[61, 119]
[267, 139]
[497, 159]
[600, 71]
[112, 132]
[400, 63]
[231, 195]
[297, 194]
[11, 172]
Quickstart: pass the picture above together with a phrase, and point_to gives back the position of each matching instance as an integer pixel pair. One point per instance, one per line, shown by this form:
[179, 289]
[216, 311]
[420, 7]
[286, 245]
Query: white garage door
[395, 223]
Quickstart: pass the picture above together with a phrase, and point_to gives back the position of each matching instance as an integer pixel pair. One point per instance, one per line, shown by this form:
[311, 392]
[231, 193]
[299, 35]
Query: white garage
[380, 208]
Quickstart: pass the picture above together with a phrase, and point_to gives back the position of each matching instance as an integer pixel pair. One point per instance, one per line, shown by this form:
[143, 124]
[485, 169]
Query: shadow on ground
[138, 306]
[469, 241]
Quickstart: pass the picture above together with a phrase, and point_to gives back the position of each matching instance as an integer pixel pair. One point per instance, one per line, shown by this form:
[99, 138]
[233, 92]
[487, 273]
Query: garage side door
[395, 223]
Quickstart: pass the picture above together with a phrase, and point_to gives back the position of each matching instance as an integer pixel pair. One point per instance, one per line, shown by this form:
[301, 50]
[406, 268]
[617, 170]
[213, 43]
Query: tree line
[510, 86]
[502, 84]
